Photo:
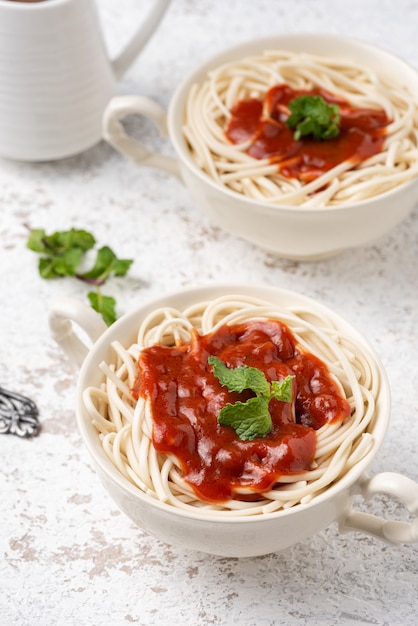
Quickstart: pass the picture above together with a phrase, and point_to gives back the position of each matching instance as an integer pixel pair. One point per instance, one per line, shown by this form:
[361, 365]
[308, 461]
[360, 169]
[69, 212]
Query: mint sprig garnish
[252, 418]
[61, 254]
[312, 115]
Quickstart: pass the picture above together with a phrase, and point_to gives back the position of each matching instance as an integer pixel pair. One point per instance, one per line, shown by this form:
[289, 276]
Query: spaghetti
[125, 426]
[209, 111]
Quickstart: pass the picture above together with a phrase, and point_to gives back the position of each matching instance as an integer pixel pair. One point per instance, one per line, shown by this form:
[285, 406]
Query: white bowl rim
[182, 152]
[344, 483]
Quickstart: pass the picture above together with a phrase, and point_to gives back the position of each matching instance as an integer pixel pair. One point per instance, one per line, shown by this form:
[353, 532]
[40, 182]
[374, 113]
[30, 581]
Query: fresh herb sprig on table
[252, 418]
[312, 115]
[61, 254]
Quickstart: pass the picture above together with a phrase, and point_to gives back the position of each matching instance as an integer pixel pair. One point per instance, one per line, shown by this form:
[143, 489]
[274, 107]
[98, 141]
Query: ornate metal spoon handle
[18, 414]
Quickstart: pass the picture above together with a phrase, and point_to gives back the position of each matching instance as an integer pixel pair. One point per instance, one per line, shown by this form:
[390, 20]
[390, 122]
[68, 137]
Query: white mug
[55, 75]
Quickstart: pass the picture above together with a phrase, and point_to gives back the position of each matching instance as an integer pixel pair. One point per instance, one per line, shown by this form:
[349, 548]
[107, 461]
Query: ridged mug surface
[55, 75]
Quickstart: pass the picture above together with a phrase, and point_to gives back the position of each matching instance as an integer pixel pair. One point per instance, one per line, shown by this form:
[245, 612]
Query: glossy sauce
[263, 123]
[186, 399]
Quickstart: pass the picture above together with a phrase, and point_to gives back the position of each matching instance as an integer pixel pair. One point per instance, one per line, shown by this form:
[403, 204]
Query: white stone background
[67, 555]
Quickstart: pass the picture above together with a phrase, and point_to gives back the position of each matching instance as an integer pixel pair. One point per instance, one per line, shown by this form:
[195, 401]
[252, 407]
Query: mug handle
[114, 133]
[394, 532]
[61, 317]
[139, 39]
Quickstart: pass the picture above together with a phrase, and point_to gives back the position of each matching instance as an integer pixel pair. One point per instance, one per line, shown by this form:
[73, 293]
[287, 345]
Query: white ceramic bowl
[245, 536]
[303, 233]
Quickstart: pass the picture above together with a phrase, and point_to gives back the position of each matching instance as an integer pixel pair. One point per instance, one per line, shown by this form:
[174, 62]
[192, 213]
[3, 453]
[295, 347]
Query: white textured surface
[67, 556]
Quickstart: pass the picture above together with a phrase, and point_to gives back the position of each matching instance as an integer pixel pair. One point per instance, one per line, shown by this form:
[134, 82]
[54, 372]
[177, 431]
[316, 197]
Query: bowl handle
[114, 133]
[393, 532]
[62, 314]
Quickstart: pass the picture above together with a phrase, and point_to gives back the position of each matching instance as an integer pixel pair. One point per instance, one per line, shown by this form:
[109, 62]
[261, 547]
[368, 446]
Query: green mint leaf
[282, 389]
[239, 378]
[61, 241]
[102, 267]
[64, 264]
[46, 267]
[82, 239]
[105, 305]
[312, 115]
[249, 419]
[106, 262]
[35, 240]
[121, 266]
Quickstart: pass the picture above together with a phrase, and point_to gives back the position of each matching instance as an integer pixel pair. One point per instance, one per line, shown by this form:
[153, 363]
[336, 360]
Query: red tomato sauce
[263, 123]
[186, 399]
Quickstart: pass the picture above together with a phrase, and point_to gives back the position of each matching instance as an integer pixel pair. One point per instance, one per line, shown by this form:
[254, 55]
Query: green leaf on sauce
[312, 115]
[249, 419]
[282, 390]
[239, 378]
[252, 418]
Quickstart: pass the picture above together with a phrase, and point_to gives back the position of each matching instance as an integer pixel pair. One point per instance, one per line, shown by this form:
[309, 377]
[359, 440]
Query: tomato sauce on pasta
[262, 123]
[186, 399]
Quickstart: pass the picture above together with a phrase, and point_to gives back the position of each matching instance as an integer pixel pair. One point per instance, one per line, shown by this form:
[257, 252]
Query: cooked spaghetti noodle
[208, 112]
[125, 425]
